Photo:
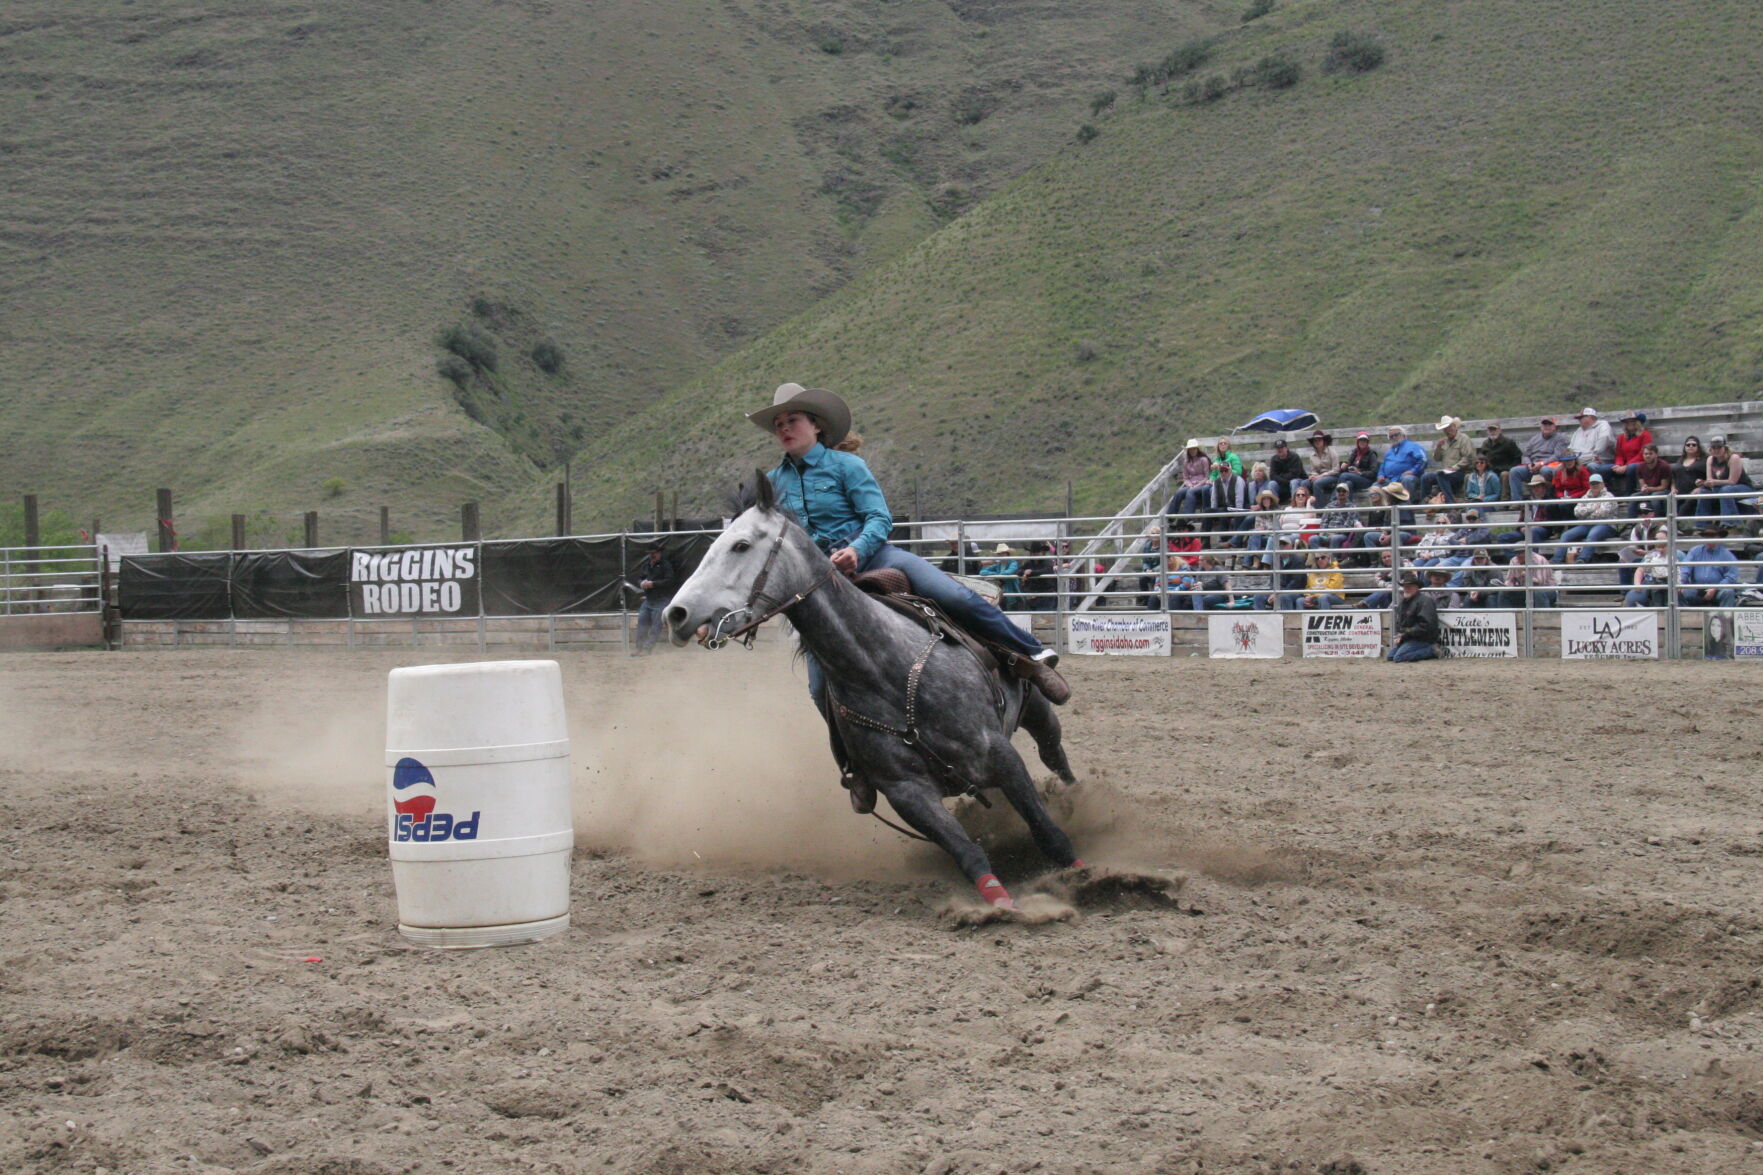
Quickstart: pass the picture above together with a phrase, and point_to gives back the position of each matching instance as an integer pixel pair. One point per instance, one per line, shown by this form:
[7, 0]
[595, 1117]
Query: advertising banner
[1732, 636]
[1343, 634]
[1245, 634]
[1131, 634]
[1475, 633]
[414, 581]
[1610, 636]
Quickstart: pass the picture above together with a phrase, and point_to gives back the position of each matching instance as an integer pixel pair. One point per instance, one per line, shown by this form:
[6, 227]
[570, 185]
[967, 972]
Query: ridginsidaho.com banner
[414, 581]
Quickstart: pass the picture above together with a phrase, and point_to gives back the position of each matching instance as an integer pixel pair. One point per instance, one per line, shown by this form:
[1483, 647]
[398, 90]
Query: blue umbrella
[1281, 420]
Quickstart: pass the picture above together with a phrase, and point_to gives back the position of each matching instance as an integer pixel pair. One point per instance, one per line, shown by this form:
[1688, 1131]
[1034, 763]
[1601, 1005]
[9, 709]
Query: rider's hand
[845, 559]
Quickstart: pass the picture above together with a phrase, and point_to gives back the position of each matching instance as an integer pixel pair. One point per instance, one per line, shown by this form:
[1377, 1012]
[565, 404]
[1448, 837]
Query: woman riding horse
[838, 502]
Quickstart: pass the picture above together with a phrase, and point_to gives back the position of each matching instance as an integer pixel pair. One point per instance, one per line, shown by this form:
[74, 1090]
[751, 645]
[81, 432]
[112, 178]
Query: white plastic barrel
[477, 802]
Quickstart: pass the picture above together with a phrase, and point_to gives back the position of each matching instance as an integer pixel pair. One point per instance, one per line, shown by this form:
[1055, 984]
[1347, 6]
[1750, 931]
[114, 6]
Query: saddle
[891, 587]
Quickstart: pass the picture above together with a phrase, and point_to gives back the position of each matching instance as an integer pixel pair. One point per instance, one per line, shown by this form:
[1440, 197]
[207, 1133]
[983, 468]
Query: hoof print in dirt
[1114, 889]
[1033, 910]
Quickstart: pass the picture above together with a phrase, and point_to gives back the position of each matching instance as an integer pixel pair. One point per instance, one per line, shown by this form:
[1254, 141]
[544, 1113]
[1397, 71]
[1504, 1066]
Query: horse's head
[725, 591]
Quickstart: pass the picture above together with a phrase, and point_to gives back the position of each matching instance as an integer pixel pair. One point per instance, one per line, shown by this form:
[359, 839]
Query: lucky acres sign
[423, 581]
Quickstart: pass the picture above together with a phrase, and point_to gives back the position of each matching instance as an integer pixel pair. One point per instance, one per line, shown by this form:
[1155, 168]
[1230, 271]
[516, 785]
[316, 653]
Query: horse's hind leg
[1042, 724]
[1012, 777]
[922, 807]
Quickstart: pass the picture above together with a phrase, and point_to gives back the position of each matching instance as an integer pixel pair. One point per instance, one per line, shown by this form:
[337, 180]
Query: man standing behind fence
[656, 579]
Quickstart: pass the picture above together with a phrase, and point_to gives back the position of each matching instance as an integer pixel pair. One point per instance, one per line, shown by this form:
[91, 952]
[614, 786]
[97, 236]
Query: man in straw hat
[839, 503]
[1452, 455]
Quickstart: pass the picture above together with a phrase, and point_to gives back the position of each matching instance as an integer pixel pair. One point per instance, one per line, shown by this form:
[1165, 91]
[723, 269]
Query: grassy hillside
[1528, 203]
[232, 233]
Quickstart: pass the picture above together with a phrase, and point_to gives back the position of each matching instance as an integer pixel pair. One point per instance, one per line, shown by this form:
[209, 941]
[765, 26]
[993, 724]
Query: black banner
[175, 587]
[414, 581]
[271, 585]
[542, 577]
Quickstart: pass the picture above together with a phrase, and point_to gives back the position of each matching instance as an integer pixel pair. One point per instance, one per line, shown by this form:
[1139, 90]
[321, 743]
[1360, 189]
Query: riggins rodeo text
[423, 580]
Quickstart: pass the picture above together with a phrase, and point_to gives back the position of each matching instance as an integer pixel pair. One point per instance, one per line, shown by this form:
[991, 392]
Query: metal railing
[36, 580]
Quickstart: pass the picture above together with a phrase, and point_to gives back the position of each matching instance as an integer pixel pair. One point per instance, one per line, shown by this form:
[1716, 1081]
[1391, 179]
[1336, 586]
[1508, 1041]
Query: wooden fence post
[468, 524]
[311, 529]
[385, 526]
[562, 509]
[660, 509]
[238, 532]
[168, 535]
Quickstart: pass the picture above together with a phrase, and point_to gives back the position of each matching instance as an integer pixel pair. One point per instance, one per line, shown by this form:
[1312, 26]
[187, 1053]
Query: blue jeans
[1449, 484]
[1706, 597]
[1643, 598]
[963, 606]
[1327, 600]
[1594, 532]
[1723, 501]
[1188, 500]
[649, 624]
[1414, 651]
[1376, 601]
[1539, 598]
[1322, 487]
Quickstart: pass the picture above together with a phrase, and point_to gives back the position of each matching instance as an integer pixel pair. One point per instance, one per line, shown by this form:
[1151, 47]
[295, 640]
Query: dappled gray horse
[921, 718]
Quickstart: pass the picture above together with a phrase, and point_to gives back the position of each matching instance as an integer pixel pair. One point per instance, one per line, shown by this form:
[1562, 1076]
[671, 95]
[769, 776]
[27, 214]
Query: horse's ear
[767, 498]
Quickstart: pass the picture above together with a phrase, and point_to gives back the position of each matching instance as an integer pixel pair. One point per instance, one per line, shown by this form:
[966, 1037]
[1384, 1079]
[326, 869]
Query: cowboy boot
[1047, 679]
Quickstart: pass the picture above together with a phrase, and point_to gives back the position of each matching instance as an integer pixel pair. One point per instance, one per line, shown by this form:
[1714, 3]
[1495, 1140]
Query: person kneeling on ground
[1417, 623]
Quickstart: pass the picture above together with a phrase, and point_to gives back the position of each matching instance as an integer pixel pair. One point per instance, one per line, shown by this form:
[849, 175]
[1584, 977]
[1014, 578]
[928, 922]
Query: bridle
[747, 632]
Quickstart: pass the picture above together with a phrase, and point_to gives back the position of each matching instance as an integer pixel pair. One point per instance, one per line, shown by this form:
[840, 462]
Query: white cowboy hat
[1001, 549]
[832, 412]
[1193, 443]
[1446, 422]
[1396, 490]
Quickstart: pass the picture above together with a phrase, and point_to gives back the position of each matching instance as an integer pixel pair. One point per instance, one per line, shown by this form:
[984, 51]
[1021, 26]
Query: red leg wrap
[993, 891]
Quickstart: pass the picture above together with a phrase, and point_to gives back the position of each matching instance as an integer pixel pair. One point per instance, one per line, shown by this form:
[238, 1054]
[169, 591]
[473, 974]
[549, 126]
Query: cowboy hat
[1396, 490]
[833, 413]
[1326, 438]
[1193, 443]
[1002, 549]
[1446, 422]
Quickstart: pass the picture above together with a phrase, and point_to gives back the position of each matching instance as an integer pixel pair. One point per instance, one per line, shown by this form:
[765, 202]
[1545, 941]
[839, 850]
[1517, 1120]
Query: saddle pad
[884, 581]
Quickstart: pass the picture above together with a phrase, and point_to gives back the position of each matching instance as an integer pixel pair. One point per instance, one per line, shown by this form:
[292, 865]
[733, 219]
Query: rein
[748, 631]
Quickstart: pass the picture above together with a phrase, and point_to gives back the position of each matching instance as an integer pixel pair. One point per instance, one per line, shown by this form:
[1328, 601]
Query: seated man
[1541, 454]
[1381, 578]
[1285, 468]
[1709, 572]
[1593, 443]
[1452, 455]
[1534, 571]
[1475, 581]
[1403, 463]
[1416, 623]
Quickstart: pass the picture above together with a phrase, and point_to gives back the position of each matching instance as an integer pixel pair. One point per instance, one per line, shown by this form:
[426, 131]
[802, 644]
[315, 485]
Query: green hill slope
[1530, 202]
[232, 233]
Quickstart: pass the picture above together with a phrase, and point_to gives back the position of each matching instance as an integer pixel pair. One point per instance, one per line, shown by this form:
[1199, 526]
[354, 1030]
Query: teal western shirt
[835, 498]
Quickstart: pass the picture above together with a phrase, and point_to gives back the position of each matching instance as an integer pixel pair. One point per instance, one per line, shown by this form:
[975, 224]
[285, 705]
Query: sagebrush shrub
[1356, 52]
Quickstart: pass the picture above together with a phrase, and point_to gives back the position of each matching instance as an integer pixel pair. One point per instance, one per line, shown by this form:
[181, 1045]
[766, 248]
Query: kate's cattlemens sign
[421, 581]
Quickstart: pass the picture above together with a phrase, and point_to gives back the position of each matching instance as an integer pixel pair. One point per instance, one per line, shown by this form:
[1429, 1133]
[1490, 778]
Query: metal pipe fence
[35, 580]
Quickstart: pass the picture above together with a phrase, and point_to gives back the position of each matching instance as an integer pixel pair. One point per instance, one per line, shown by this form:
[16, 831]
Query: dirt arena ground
[1448, 918]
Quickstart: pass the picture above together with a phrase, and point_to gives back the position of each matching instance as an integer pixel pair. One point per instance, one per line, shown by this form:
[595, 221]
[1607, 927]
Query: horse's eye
[742, 544]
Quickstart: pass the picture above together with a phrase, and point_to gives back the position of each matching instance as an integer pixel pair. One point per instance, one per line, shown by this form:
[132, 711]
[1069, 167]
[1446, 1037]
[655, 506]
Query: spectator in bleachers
[1484, 483]
[1387, 512]
[1325, 586]
[1185, 544]
[1040, 580]
[1359, 470]
[1322, 462]
[1196, 481]
[1573, 478]
[1404, 462]
[1223, 455]
[1286, 565]
[1438, 585]
[1452, 454]
[1436, 542]
[1300, 518]
[1214, 591]
[1542, 453]
[1595, 516]
[1539, 508]
[1381, 580]
[1652, 479]
[1647, 575]
[1501, 451]
[1630, 443]
[1688, 471]
[1260, 478]
[1593, 442]
[1640, 535]
[1533, 570]
[1709, 572]
[1340, 520]
[1006, 568]
[1474, 532]
[1266, 522]
[1227, 501]
[1726, 484]
[1416, 623]
[1286, 467]
[1477, 580]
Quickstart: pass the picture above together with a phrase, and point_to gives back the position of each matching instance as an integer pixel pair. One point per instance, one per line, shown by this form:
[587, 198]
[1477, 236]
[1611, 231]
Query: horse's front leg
[1042, 725]
[1011, 775]
[921, 805]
